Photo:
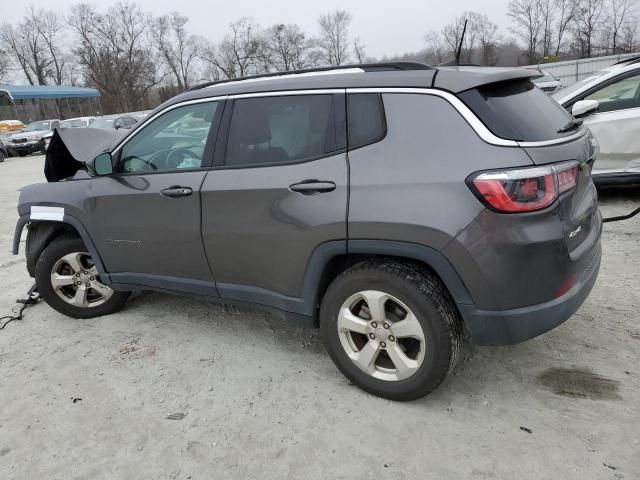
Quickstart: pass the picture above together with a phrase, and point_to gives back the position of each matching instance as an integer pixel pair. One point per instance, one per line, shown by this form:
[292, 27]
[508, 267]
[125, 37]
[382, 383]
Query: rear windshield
[517, 110]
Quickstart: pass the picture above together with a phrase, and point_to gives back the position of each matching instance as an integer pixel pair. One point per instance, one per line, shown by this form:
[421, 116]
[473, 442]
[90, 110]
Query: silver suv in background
[31, 139]
[608, 102]
[547, 83]
[395, 206]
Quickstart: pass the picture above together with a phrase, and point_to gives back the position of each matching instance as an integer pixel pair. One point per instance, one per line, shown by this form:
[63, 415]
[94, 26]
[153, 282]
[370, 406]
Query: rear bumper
[508, 327]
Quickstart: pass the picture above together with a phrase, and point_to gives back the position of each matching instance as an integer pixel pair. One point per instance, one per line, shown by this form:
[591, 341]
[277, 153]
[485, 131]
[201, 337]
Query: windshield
[32, 127]
[103, 123]
[74, 123]
[566, 91]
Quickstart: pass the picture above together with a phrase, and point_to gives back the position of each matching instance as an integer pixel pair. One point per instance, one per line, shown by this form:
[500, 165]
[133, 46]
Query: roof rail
[367, 67]
[629, 60]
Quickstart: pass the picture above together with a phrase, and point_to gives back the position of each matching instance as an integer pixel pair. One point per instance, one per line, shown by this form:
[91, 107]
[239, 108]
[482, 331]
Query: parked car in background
[80, 122]
[609, 104]
[117, 122]
[31, 139]
[3, 152]
[547, 83]
[9, 126]
[280, 192]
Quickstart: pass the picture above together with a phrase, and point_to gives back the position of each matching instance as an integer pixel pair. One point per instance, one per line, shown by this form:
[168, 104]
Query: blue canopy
[27, 92]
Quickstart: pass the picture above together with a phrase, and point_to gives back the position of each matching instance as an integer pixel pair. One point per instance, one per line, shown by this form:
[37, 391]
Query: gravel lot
[250, 397]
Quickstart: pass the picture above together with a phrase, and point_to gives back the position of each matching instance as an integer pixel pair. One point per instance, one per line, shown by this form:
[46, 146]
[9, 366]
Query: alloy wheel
[381, 335]
[75, 280]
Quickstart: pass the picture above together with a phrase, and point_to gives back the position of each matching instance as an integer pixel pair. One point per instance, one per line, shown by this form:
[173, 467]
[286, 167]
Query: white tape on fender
[53, 214]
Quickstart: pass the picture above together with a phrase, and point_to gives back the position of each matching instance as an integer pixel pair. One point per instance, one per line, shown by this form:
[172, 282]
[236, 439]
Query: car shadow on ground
[479, 374]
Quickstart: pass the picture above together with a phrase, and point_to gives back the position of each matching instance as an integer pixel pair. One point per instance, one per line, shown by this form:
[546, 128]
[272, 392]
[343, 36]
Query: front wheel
[68, 280]
[391, 328]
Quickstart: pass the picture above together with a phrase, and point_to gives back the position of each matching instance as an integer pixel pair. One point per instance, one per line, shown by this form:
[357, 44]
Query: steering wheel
[147, 163]
[173, 160]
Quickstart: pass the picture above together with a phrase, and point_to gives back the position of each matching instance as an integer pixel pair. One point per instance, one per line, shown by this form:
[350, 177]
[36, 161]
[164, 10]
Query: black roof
[399, 74]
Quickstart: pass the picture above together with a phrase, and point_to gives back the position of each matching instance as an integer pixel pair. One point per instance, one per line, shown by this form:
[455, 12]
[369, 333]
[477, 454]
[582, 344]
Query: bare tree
[28, 50]
[359, 51]
[333, 41]
[452, 34]
[4, 63]
[587, 20]
[437, 50]
[288, 48]
[618, 11]
[49, 26]
[242, 52]
[179, 49]
[527, 17]
[547, 14]
[564, 13]
[487, 33]
[114, 54]
[629, 36]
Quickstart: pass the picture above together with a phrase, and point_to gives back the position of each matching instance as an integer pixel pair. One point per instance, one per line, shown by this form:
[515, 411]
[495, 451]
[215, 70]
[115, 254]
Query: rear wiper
[572, 125]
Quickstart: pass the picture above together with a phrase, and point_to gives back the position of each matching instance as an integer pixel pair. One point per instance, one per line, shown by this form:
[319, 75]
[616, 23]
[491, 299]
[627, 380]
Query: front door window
[172, 142]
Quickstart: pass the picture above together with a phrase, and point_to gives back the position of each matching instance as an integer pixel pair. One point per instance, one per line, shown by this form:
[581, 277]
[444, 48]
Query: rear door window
[517, 110]
[272, 130]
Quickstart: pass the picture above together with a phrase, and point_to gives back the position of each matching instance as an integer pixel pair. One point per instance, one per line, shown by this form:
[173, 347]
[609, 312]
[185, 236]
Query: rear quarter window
[517, 110]
[366, 119]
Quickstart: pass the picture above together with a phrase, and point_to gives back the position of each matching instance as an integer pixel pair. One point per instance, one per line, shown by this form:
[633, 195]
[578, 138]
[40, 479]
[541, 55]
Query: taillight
[525, 189]
[567, 176]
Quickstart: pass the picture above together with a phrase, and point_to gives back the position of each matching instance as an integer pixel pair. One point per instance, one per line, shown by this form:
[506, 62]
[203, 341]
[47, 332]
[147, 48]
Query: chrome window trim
[480, 128]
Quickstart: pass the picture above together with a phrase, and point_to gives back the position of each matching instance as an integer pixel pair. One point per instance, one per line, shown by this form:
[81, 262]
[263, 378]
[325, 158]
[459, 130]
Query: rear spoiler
[459, 79]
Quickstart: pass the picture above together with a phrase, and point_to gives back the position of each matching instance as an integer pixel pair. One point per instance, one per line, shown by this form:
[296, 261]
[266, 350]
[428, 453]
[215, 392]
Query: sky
[385, 27]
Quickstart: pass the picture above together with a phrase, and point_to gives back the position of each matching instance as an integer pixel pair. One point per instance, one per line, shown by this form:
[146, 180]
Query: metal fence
[573, 70]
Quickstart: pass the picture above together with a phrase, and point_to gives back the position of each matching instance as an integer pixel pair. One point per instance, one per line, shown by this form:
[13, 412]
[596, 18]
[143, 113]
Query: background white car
[609, 103]
[80, 122]
[547, 83]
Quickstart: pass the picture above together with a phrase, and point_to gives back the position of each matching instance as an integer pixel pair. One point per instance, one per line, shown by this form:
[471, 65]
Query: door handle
[312, 187]
[175, 192]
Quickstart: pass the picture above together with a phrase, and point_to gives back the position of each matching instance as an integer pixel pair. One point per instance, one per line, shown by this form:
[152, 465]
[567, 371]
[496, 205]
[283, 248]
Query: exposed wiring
[622, 217]
[32, 298]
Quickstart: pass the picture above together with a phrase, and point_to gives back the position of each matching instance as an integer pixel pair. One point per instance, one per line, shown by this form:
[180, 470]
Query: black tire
[430, 303]
[57, 249]
[1, 156]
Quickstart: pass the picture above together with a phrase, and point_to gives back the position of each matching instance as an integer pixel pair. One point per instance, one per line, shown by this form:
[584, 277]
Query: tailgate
[579, 212]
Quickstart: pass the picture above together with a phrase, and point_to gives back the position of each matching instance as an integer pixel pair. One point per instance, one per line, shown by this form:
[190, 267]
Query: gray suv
[395, 206]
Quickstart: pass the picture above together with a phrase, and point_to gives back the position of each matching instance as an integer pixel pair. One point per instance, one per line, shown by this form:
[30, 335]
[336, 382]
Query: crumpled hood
[71, 148]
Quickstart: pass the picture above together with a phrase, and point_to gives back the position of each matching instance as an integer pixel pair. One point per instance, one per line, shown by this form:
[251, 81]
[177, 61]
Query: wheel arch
[43, 232]
[360, 250]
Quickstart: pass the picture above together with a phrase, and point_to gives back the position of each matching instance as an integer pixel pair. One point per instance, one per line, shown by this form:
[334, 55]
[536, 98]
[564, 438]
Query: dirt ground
[175, 388]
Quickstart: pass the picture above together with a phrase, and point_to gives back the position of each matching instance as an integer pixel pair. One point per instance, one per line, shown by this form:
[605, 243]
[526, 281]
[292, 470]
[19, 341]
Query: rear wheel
[391, 329]
[68, 280]
[1, 156]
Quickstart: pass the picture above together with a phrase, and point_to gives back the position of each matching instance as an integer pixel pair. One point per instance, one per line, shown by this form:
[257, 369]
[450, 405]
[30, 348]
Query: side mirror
[102, 165]
[582, 108]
